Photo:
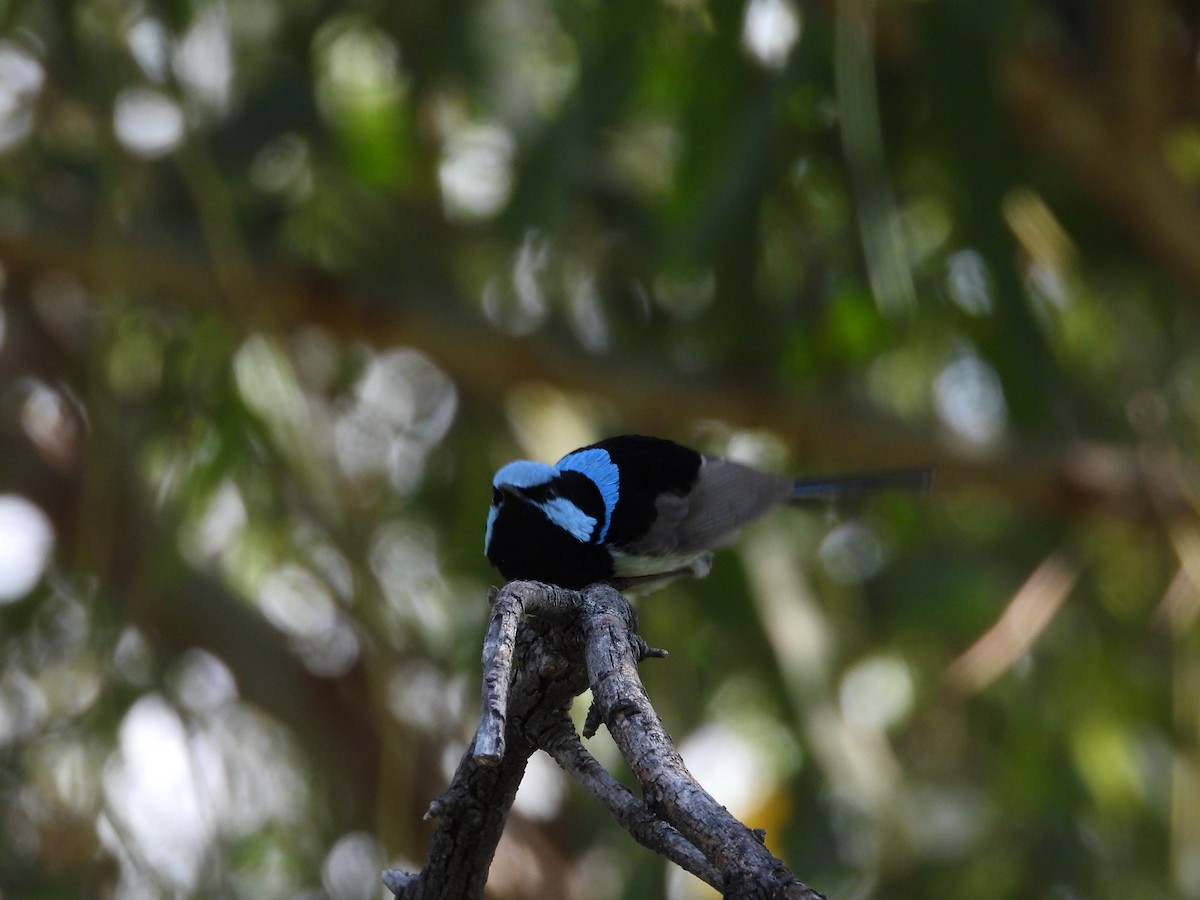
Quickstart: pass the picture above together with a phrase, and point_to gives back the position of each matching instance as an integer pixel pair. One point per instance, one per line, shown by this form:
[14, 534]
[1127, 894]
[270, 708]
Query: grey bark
[544, 646]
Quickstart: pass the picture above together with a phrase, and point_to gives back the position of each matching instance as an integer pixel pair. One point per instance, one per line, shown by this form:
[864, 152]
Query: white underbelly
[627, 565]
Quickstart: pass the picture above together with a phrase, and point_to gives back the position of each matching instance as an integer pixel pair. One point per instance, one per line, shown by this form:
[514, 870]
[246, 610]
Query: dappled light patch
[476, 170]
[21, 80]
[148, 122]
[970, 399]
[26, 542]
[770, 28]
[177, 786]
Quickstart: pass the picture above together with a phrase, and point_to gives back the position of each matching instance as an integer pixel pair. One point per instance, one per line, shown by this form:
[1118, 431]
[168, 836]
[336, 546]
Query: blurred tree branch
[1099, 105]
[1099, 139]
[1063, 481]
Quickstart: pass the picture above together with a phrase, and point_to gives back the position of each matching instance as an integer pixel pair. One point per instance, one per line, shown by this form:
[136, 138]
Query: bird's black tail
[843, 487]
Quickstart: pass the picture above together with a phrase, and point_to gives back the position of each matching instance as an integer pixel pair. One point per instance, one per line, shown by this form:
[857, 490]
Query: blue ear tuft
[524, 473]
[596, 465]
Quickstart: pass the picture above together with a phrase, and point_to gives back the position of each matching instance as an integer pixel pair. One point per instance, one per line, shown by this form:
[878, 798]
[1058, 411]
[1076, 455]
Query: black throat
[527, 545]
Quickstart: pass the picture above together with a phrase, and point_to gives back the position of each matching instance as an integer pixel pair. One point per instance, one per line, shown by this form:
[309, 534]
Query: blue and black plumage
[635, 509]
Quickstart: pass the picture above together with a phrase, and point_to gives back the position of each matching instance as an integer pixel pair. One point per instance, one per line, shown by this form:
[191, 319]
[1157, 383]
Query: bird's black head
[543, 524]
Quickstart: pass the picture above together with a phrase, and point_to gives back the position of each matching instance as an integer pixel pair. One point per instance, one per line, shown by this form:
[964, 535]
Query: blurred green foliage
[284, 283]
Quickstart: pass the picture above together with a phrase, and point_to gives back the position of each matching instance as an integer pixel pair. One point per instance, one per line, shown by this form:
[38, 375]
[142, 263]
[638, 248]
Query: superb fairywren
[635, 509]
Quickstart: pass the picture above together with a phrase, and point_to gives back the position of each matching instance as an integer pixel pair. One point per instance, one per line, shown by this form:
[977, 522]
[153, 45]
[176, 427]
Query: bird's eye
[497, 496]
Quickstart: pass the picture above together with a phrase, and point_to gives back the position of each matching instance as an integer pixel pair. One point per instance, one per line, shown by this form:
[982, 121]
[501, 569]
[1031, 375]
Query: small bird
[635, 511]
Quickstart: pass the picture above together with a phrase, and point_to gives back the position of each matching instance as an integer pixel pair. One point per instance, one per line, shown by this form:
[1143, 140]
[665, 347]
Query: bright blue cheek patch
[569, 517]
[596, 465]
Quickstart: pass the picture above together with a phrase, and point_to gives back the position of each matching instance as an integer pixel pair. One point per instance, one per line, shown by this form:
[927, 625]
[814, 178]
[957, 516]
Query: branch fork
[544, 646]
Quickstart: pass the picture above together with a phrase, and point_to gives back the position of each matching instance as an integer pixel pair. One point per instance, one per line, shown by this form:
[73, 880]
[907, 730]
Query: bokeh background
[284, 282]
